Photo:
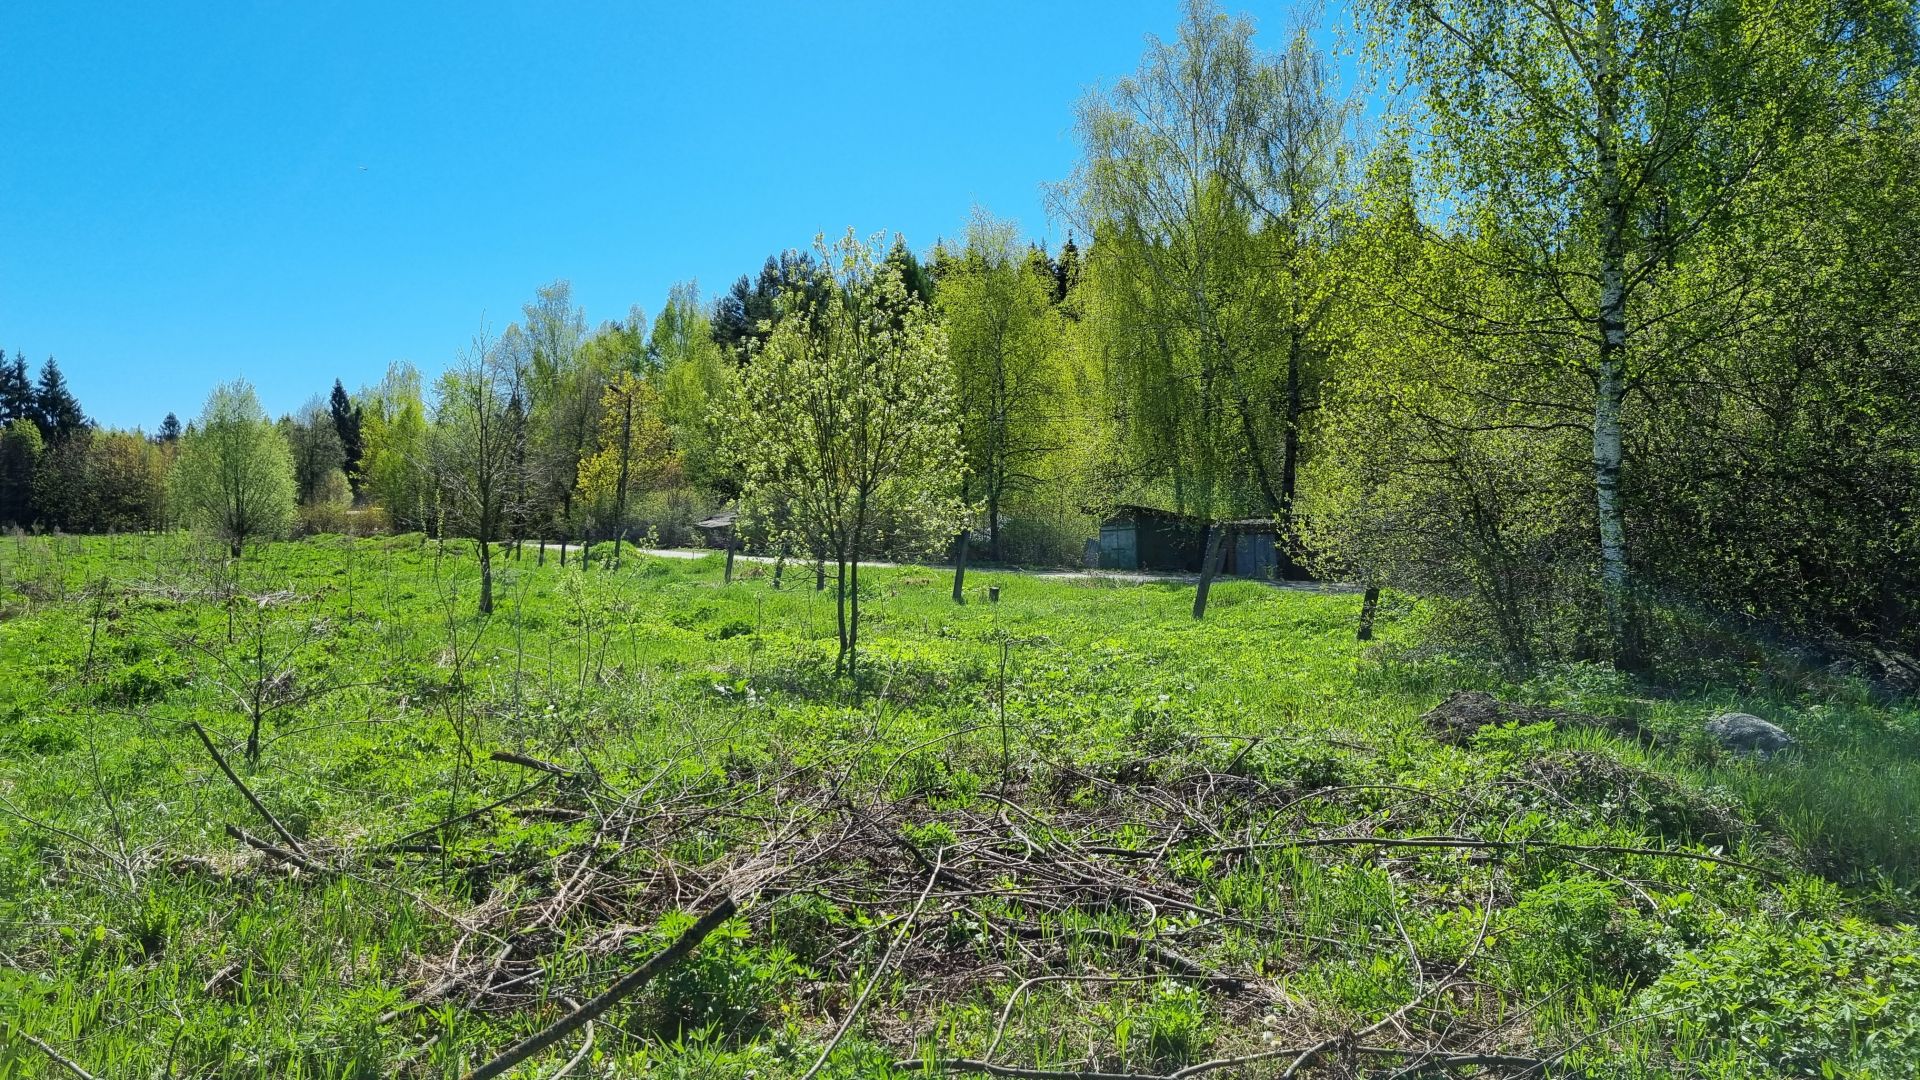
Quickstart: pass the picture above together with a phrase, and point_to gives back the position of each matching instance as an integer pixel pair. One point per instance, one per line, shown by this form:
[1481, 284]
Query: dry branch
[533, 763]
[292, 858]
[53, 1055]
[612, 995]
[278, 828]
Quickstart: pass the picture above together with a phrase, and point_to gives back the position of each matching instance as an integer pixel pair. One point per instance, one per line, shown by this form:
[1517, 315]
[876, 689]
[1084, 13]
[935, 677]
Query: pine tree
[57, 410]
[169, 429]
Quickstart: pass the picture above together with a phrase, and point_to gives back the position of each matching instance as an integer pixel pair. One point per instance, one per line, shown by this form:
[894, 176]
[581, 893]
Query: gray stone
[1744, 733]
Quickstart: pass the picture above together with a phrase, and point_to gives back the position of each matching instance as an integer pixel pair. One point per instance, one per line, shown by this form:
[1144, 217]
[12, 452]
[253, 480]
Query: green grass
[138, 939]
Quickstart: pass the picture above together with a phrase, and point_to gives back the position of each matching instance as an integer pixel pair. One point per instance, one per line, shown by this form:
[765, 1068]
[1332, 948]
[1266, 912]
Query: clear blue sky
[298, 192]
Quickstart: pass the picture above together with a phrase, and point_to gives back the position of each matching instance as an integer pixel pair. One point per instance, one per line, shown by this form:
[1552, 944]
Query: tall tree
[126, 480]
[743, 317]
[634, 449]
[234, 476]
[694, 376]
[1213, 182]
[21, 448]
[1003, 338]
[169, 430]
[563, 386]
[55, 407]
[16, 390]
[475, 442]
[317, 450]
[844, 423]
[347, 421]
[1596, 154]
[397, 461]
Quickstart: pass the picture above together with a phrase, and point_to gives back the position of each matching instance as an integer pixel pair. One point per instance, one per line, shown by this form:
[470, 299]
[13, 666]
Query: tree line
[1600, 329]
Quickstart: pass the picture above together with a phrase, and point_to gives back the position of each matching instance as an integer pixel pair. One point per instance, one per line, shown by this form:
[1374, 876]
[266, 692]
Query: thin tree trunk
[960, 546]
[994, 550]
[840, 612]
[486, 576]
[853, 625]
[1369, 604]
[728, 579]
[1289, 461]
[1210, 566]
[1610, 376]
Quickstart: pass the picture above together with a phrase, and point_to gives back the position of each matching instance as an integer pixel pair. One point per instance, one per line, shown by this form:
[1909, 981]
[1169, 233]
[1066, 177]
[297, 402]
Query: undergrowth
[1163, 842]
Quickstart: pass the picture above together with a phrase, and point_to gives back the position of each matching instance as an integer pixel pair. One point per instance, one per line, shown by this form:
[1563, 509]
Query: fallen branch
[293, 858]
[395, 845]
[611, 996]
[53, 1055]
[880, 970]
[1451, 842]
[580, 1055]
[244, 790]
[533, 763]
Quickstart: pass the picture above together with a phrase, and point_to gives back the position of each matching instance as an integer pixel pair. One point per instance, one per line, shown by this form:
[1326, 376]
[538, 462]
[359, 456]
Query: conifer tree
[58, 411]
[346, 423]
[16, 390]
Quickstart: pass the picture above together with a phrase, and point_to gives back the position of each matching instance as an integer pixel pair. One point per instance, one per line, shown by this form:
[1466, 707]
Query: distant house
[717, 531]
[1148, 538]
[1253, 553]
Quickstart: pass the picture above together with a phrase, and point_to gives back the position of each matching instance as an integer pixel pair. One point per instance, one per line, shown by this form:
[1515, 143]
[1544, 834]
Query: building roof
[1125, 511]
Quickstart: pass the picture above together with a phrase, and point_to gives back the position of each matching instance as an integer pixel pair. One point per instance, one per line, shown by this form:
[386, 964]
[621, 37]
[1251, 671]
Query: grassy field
[1075, 833]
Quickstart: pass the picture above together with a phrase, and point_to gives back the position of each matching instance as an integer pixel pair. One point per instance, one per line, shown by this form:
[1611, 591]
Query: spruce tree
[57, 410]
[346, 422]
[16, 391]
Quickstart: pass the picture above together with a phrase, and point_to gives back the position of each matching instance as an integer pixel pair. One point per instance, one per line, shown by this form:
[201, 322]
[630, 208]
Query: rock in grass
[1745, 733]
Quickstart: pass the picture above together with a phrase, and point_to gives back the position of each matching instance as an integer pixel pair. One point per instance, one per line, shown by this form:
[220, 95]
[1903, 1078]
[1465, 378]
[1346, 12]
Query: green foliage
[843, 426]
[21, 448]
[1003, 338]
[234, 477]
[1213, 184]
[1810, 999]
[661, 675]
[728, 988]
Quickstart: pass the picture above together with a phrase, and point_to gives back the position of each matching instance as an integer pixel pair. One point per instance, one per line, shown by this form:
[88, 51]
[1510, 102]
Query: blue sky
[298, 192]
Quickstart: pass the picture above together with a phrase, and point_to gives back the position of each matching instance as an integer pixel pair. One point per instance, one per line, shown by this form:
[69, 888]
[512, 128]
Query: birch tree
[1595, 153]
[634, 450]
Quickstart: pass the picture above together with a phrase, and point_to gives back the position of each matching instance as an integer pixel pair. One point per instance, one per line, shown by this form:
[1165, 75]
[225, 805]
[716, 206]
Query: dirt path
[1131, 577]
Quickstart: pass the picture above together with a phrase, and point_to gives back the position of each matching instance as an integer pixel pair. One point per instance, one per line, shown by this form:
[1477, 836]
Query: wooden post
[960, 547]
[1210, 565]
[729, 577]
[993, 594]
